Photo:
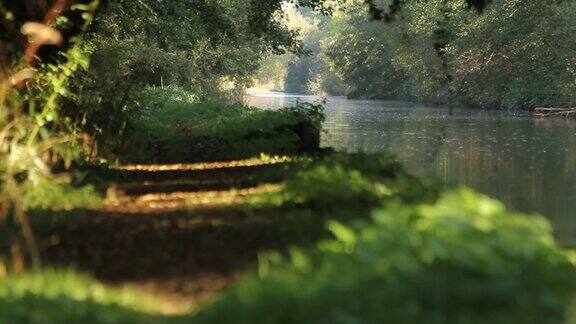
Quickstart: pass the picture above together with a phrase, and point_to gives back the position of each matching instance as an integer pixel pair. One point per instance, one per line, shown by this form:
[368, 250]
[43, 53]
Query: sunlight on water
[529, 164]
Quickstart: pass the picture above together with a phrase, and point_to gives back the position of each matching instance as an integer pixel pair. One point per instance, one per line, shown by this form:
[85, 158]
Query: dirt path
[176, 230]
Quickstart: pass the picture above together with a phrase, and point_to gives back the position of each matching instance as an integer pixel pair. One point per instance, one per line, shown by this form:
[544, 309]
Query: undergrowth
[393, 250]
[464, 259]
[61, 195]
[172, 126]
[64, 296]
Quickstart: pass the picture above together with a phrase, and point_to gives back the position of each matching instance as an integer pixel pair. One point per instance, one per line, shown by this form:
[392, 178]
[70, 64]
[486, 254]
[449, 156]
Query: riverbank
[298, 237]
[527, 163]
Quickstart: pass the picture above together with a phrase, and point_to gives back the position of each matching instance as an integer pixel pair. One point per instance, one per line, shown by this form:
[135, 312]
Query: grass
[64, 296]
[60, 194]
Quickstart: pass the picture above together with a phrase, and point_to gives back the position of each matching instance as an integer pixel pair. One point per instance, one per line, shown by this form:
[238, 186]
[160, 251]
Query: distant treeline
[511, 54]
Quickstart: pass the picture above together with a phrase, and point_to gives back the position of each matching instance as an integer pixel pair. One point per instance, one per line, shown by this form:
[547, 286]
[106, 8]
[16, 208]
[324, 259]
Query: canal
[528, 163]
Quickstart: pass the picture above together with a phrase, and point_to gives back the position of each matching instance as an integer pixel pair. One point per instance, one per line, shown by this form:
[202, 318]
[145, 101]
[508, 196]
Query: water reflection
[530, 164]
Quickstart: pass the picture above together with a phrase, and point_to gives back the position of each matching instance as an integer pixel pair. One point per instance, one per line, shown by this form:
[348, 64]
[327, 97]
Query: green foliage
[350, 183]
[56, 296]
[34, 135]
[60, 195]
[518, 53]
[464, 259]
[364, 56]
[172, 125]
[514, 54]
[210, 48]
[323, 185]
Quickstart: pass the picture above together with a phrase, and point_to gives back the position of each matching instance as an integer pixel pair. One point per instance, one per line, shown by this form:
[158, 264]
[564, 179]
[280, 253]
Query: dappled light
[271, 161]
[205, 166]
[182, 200]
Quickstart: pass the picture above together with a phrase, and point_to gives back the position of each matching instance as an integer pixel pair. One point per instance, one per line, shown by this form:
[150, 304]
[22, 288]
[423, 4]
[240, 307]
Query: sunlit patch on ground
[185, 200]
[163, 188]
[207, 165]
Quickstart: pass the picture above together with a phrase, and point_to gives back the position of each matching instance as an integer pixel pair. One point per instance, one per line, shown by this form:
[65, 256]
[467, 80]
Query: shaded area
[161, 230]
[169, 247]
[178, 229]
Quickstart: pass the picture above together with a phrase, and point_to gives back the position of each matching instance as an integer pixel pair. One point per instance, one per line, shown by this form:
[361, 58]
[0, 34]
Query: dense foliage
[35, 138]
[71, 73]
[512, 54]
[209, 48]
[358, 182]
[173, 126]
[151, 81]
[305, 72]
[464, 259]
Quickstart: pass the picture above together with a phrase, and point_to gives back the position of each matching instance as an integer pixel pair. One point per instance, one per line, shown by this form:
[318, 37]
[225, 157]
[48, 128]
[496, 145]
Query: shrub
[348, 183]
[464, 259]
[174, 126]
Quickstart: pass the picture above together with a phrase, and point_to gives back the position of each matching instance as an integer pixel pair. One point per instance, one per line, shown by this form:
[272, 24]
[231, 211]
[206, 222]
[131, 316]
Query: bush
[350, 183]
[175, 127]
[464, 259]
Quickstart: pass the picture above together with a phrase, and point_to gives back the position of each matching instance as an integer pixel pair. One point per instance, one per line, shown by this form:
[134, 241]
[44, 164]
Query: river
[528, 163]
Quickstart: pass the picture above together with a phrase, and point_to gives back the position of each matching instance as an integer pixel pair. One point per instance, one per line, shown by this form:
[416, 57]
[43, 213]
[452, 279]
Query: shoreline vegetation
[513, 54]
[334, 236]
[134, 190]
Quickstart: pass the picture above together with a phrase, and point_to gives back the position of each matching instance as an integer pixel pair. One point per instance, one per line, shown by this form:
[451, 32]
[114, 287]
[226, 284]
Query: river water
[528, 163]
